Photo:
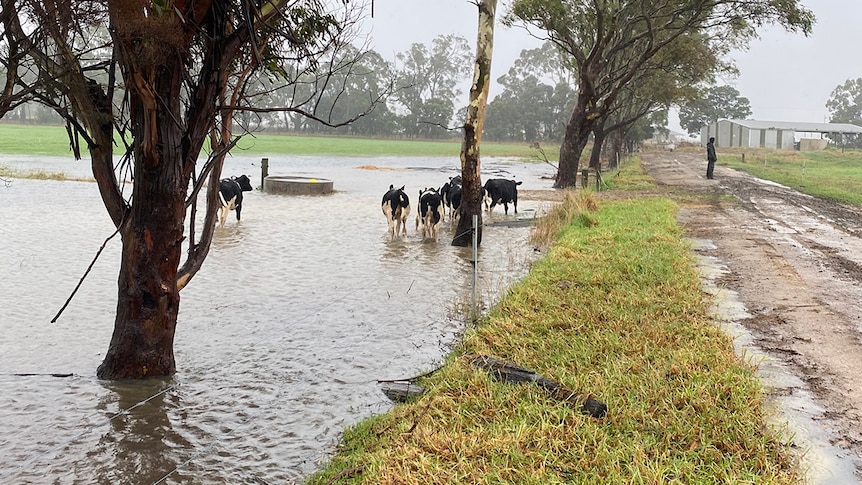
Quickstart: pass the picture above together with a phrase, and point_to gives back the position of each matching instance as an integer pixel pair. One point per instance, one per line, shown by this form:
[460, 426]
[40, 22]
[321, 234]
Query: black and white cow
[454, 197]
[430, 212]
[501, 191]
[451, 195]
[396, 208]
[230, 196]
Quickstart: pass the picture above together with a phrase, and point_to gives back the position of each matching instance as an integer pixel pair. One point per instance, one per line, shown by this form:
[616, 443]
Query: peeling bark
[471, 188]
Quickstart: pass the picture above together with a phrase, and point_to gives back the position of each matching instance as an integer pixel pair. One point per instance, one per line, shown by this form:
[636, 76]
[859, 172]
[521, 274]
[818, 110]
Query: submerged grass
[614, 309]
[8, 173]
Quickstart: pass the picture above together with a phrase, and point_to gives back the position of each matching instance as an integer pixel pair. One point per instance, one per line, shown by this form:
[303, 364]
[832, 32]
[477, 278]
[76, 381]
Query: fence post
[264, 170]
[474, 310]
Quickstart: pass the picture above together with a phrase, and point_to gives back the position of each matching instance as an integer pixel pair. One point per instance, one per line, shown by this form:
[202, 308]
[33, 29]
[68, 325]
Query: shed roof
[799, 126]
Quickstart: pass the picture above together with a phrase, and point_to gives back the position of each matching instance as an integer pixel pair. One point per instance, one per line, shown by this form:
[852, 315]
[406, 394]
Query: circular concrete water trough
[289, 185]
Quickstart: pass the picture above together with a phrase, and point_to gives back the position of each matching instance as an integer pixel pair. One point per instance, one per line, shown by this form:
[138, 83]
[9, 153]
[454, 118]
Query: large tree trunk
[580, 125]
[598, 144]
[471, 180]
[574, 141]
[148, 296]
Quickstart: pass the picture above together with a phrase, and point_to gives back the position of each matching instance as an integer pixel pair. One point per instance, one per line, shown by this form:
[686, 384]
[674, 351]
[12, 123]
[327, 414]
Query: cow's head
[244, 183]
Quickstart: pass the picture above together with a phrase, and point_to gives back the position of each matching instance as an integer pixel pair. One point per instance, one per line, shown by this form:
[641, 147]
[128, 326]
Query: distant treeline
[420, 95]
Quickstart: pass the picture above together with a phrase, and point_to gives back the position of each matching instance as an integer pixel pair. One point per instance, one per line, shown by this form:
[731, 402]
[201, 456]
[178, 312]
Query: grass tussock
[578, 207]
[615, 310]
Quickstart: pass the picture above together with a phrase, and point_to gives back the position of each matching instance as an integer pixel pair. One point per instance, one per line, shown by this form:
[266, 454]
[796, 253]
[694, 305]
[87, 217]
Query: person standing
[710, 157]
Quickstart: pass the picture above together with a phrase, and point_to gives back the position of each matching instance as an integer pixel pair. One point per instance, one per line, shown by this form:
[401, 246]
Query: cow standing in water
[396, 208]
[501, 191]
[230, 196]
[451, 195]
[430, 212]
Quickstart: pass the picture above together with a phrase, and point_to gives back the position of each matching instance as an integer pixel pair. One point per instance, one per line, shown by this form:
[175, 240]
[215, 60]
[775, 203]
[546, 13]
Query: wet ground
[788, 269]
[282, 336]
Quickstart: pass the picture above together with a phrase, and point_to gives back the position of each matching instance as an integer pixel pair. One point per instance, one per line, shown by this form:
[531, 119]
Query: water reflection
[141, 439]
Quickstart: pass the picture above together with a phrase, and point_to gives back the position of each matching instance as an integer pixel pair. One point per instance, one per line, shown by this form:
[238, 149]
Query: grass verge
[614, 309]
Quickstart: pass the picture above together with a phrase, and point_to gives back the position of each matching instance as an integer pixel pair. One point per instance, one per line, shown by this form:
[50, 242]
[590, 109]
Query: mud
[795, 264]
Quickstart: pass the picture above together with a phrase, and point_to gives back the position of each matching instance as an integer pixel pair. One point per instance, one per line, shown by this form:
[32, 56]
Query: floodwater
[282, 336]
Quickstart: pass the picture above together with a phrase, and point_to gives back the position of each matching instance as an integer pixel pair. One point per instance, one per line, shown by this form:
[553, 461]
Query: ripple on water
[298, 310]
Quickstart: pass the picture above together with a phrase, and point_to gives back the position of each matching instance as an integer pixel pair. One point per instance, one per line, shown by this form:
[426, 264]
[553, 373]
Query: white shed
[770, 134]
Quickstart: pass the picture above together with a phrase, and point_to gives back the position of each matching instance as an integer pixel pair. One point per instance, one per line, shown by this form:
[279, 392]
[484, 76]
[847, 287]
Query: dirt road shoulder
[796, 269]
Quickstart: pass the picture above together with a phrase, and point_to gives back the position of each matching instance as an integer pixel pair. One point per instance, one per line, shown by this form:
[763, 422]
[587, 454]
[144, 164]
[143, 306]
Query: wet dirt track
[796, 263]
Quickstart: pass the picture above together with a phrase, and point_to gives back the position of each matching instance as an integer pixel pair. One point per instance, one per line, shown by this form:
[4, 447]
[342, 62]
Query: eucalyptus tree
[184, 69]
[597, 33]
[668, 78]
[343, 86]
[711, 104]
[845, 102]
[845, 106]
[428, 80]
[471, 189]
[537, 96]
[15, 63]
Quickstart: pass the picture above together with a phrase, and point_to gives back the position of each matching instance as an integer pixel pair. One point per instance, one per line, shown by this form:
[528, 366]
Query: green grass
[614, 309]
[831, 174]
[629, 176]
[33, 140]
[52, 141]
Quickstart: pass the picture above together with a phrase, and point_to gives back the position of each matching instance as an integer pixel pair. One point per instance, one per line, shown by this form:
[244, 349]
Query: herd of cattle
[396, 205]
[435, 203]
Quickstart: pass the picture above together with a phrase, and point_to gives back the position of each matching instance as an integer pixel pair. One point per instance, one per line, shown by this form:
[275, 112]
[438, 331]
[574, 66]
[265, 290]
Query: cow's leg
[226, 210]
[222, 215]
[387, 212]
[238, 210]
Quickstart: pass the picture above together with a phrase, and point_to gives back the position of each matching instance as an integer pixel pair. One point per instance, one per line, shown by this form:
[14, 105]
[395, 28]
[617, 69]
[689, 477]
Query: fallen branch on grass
[506, 372]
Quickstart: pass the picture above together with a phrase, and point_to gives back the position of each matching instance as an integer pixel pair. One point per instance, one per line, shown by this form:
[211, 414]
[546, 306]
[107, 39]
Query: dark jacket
[710, 152]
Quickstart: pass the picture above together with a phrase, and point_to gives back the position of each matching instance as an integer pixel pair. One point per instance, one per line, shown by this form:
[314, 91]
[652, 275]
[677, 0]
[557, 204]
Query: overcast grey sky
[786, 77]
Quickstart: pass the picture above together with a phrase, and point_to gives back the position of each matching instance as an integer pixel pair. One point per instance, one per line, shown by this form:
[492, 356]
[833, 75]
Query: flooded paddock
[282, 336]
